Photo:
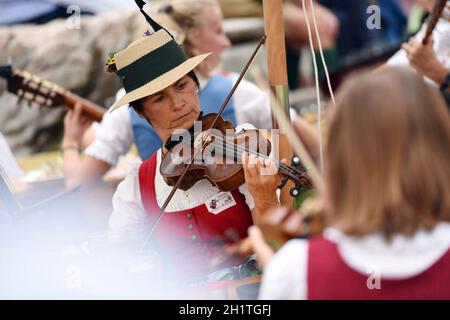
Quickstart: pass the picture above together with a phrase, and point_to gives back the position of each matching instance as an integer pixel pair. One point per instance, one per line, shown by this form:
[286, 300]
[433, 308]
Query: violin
[219, 158]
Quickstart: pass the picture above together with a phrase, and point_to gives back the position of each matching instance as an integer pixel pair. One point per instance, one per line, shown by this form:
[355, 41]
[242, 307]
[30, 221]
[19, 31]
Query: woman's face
[175, 107]
[211, 37]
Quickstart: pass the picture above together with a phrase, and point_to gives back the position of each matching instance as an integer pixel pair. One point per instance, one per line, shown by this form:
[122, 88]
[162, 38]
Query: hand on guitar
[424, 59]
[75, 128]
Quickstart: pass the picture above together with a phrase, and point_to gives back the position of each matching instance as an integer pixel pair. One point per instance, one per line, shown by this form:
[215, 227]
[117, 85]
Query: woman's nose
[177, 101]
[225, 41]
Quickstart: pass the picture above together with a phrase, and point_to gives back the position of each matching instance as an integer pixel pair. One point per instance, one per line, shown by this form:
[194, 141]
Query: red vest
[329, 277]
[188, 238]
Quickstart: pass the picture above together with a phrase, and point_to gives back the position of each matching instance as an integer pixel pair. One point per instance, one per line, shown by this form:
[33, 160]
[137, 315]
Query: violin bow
[436, 14]
[205, 139]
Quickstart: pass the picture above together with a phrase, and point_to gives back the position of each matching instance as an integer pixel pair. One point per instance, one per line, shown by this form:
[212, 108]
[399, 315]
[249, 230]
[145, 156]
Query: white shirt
[285, 277]
[114, 136]
[129, 216]
[441, 37]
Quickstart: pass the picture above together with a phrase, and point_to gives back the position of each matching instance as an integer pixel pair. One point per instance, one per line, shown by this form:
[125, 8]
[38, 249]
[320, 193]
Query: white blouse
[285, 277]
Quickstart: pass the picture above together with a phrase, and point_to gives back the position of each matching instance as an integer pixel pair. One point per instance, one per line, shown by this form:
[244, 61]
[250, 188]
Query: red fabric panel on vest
[329, 277]
[187, 238]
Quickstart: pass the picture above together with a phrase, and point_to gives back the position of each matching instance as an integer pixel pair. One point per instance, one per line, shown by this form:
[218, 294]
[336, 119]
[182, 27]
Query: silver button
[194, 237]
[189, 216]
[190, 226]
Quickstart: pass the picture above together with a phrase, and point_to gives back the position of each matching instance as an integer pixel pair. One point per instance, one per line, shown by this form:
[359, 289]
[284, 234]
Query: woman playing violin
[162, 88]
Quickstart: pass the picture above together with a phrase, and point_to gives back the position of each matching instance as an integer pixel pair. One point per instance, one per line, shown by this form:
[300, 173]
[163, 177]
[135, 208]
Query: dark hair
[137, 105]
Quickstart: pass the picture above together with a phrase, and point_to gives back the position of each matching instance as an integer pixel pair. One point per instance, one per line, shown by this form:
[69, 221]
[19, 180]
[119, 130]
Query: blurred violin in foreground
[277, 227]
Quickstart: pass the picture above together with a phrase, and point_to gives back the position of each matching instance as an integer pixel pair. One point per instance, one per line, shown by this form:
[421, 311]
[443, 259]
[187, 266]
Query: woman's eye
[182, 85]
[158, 99]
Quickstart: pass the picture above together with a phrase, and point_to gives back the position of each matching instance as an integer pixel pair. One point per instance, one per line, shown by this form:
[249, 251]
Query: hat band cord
[151, 66]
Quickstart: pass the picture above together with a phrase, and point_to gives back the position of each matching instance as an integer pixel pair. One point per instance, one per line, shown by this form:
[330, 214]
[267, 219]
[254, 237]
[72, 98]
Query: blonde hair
[388, 155]
[189, 16]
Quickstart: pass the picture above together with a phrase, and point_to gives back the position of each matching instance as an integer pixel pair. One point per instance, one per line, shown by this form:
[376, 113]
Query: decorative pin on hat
[150, 64]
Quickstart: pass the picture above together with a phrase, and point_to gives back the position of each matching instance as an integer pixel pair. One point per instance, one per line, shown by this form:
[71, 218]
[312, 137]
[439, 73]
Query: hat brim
[161, 82]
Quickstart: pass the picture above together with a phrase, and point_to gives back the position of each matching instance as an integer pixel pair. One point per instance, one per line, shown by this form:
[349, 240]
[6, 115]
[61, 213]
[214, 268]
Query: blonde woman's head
[201, 22]
[388, 155]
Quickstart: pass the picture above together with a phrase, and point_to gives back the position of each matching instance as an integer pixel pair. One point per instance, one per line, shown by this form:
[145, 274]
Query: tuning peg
[47, 102]
[283, 182]
[296, 161]
[295, 191]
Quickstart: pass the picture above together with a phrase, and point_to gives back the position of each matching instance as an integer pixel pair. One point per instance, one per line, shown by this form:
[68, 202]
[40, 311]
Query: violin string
[219, 142]
[230, 146]
[316, 76]
[245, 149]
[285, 167]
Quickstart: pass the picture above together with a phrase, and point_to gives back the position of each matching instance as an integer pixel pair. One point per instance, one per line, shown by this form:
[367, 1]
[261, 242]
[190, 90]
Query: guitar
[45, 93]
[436, 14]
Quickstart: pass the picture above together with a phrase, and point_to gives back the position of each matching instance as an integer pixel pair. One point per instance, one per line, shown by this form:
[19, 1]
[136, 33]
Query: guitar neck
[435, 16]
[89, 109]
[45, 93]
